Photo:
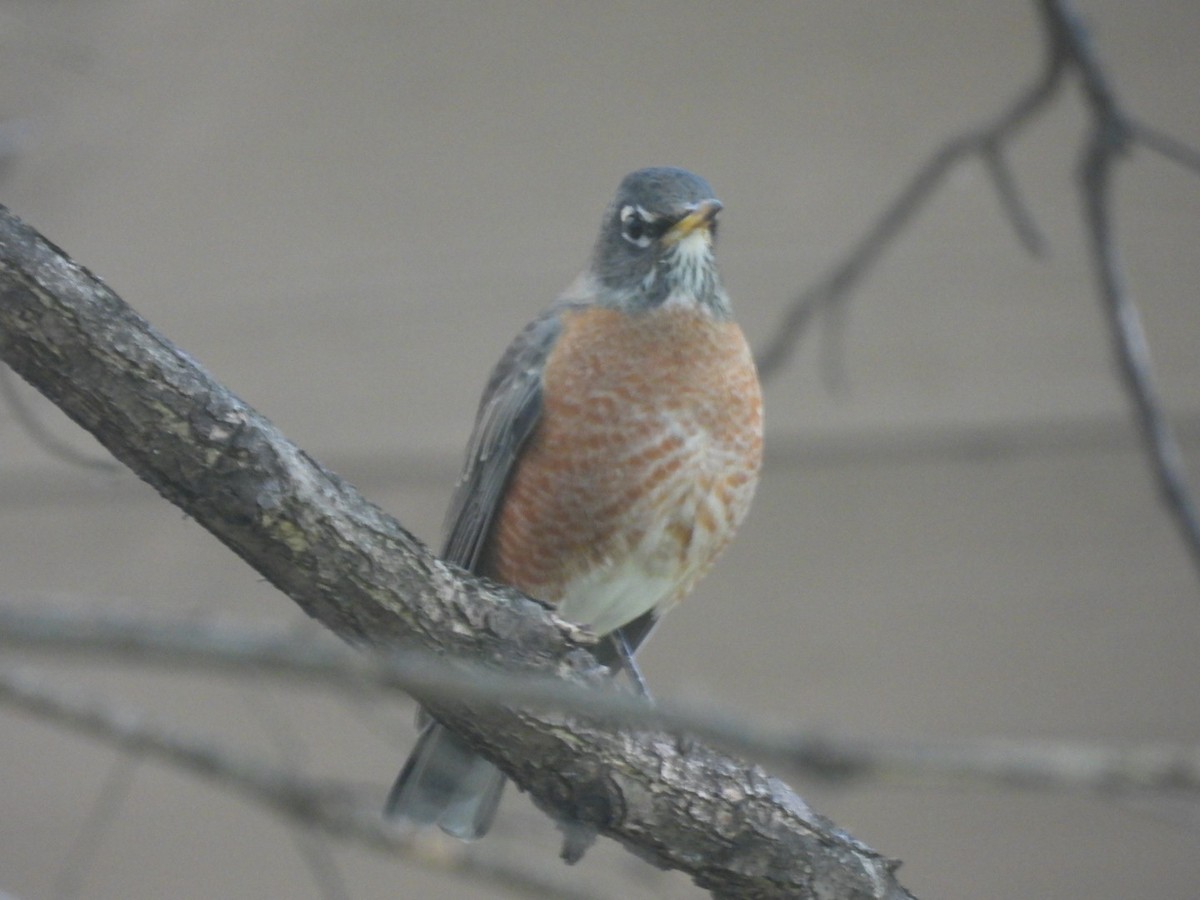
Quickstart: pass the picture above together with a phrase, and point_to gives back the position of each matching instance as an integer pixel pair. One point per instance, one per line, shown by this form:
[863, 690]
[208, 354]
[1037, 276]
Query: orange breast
[649, 447]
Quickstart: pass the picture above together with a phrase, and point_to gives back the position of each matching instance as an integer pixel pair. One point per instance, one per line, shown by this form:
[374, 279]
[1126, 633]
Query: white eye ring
[634, 222]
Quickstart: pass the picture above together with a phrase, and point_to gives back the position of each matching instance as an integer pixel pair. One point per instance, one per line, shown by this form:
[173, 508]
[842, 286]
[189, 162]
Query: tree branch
[735, 830]
[1112, 132]
[335, 809]
[231, 650]
[984, 141]
[1111, 136]
[51, 445]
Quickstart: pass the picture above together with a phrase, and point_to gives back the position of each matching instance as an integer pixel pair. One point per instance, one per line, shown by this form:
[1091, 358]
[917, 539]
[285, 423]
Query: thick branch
[735, 830]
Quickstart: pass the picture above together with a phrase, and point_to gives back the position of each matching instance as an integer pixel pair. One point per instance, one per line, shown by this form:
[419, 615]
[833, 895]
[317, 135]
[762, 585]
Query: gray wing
[508, 414]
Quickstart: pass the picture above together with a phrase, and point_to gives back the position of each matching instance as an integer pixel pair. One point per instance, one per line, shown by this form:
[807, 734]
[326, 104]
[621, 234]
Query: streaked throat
[686, 275]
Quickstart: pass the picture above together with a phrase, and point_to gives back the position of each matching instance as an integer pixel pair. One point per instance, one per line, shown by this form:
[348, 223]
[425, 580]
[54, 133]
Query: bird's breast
[642, 466]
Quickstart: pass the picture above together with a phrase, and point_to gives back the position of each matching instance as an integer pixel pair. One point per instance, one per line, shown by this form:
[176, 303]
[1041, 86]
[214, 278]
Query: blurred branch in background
[1112, 133]
[15, 137]
[337, 810]
[240, 651]
[50, 444]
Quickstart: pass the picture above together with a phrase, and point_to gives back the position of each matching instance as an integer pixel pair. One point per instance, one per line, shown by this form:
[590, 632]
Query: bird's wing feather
[508, 414]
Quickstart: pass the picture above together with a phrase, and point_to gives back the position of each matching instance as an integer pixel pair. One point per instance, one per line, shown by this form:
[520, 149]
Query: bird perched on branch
[615, 452]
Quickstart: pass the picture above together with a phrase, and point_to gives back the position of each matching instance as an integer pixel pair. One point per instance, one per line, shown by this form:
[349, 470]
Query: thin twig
[1165, 145]
[984, 141]
[41, 435]
[336, 809]
[312, 847]
[1131, 345]
[1112, 133]
[1110, 138]
[230, 650]
[100, 815]
[318, 857]
[1022, 220]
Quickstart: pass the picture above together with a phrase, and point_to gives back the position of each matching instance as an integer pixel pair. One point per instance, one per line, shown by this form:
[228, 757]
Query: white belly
[684, 533]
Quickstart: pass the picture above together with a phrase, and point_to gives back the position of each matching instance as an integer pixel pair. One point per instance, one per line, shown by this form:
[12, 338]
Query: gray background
[344, 210]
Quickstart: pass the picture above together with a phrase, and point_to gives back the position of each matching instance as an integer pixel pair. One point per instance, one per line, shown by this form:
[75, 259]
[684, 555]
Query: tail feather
[445, 783]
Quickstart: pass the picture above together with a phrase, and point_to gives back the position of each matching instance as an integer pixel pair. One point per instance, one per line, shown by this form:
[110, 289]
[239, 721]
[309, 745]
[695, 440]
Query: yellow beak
[701, 217]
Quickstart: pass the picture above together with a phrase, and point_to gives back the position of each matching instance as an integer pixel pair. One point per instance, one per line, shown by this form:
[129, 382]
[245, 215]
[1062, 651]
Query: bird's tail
[446, 783]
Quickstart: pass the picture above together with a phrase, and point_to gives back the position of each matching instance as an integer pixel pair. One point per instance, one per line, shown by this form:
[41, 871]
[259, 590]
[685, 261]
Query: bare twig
[1129, 337]
[1165, 145]
[1022, 220]
[50, 444]
[322, 866]
[229, 650]
[983, 141]
[1110, 137]
[100, 814]
[1113, 132]
[312, 847]
[335, 809]
[15, 137]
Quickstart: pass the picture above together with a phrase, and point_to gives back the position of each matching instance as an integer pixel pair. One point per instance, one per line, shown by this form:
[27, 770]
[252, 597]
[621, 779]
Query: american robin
[616, 450]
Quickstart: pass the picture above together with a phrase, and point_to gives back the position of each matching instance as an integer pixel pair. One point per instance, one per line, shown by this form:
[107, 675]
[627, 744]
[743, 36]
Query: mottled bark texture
[735, 830]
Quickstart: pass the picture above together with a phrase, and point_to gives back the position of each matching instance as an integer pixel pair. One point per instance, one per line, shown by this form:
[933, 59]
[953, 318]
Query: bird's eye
[636, 226]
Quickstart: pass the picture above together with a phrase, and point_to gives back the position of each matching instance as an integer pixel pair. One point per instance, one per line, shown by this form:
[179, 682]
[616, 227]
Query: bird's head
[656, 243]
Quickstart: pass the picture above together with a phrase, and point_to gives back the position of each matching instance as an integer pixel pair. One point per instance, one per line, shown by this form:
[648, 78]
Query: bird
[616, 450]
